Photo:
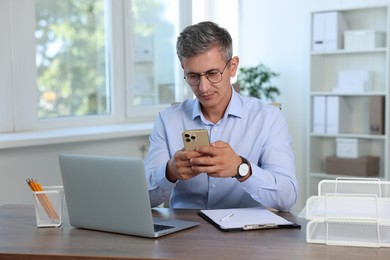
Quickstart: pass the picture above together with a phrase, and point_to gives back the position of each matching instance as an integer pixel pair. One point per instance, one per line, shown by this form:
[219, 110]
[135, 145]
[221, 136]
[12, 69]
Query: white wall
[279, 38]
[277, 33]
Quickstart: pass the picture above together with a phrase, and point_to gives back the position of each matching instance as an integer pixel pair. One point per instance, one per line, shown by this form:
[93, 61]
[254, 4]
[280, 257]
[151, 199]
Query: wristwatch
[243, 169]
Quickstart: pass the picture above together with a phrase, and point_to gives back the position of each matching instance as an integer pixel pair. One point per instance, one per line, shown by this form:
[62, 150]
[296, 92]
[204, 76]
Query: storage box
[364, 39]
[354, 81]
[352, 147]
[361, 167]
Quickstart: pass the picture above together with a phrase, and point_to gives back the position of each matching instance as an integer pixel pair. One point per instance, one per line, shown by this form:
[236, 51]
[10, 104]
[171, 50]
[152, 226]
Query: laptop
[110, 194]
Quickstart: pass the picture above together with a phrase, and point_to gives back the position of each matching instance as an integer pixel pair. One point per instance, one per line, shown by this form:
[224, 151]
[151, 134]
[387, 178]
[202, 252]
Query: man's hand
[217, 160]
[180, 167]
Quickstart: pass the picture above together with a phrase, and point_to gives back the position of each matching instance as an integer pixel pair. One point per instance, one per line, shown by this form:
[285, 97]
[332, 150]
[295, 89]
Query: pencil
[47, 204]
[43, 199]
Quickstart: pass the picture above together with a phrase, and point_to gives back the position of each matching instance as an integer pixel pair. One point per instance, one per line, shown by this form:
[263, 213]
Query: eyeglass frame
[206, 74]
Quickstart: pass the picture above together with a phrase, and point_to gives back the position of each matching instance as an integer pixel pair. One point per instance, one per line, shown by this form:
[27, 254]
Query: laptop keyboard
[158, 227]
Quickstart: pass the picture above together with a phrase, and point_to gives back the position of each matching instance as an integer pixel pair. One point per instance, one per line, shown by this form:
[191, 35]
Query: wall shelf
[325, 66]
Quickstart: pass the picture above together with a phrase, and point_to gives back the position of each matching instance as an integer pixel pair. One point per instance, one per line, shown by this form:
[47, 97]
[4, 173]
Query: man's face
[211, 95]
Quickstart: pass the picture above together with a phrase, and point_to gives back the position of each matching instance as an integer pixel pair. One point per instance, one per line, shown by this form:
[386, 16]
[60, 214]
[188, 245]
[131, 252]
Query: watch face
[243, 169]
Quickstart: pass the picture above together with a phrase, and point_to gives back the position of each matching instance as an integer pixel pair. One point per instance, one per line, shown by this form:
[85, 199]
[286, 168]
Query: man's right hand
[179, 167]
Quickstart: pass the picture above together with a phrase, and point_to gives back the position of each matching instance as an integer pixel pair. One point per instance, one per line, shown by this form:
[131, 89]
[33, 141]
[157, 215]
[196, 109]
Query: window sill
[46, 137]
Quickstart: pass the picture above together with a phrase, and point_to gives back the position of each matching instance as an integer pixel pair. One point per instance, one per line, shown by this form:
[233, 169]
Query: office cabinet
[349, 89]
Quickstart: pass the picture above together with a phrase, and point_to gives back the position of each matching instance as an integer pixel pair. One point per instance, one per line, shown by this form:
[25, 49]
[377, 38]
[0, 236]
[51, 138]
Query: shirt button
[212, 185]
[215, 129]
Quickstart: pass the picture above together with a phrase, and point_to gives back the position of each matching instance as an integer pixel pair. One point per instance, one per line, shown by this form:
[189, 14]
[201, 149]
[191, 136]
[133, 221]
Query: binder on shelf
[319, 112]
[328, 28]
[337, 115]
[319, 32]
[377, 115]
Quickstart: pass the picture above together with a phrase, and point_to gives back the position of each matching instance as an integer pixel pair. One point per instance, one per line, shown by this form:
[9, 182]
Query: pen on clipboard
[260, 226]
[231, 214]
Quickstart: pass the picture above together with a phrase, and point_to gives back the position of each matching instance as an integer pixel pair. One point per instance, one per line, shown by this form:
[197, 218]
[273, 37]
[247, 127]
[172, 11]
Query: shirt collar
[234, 107]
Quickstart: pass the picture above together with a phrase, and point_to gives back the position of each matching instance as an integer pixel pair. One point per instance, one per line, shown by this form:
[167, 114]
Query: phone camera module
[190, 138]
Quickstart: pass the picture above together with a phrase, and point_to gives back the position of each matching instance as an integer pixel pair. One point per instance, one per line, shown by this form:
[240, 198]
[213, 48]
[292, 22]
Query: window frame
[18, 96]
[6, 70]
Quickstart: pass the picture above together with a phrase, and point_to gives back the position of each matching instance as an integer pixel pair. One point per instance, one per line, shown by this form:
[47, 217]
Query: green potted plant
[256, 82]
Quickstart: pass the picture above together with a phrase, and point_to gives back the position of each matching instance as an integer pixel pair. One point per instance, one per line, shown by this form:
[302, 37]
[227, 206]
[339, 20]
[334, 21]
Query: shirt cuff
[162, 180]
[259, 178]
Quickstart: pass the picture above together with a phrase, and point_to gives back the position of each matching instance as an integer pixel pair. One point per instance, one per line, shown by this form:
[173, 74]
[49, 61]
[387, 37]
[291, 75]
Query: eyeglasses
[214, 76]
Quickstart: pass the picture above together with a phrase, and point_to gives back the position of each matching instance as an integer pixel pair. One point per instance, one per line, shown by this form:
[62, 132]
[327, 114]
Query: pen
[227, 216]
[259, 226]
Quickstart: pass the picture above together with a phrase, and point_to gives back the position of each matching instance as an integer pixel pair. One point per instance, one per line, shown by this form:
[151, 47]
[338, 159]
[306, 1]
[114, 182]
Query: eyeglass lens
[214, 76]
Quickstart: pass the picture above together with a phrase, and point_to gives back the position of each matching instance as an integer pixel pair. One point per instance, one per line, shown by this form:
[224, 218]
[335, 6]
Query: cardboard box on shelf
[366, 166]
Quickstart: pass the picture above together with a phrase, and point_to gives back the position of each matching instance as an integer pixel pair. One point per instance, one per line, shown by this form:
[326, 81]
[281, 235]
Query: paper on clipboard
[245, 219]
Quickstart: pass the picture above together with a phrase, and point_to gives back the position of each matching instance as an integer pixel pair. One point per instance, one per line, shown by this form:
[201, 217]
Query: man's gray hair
[199, 38]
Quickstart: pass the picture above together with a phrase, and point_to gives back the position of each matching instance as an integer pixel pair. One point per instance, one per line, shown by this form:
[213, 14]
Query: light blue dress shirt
[254, 130]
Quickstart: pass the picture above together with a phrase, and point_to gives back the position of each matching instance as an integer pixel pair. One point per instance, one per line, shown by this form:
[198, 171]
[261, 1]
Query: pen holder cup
[49, 206]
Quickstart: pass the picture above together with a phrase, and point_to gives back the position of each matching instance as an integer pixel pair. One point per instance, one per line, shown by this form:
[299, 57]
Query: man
[249, 161]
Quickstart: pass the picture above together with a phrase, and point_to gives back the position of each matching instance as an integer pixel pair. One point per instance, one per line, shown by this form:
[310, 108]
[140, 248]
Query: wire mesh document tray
[350, 212]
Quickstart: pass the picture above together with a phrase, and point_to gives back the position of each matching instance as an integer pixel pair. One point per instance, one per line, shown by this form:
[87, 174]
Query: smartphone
[194, 138]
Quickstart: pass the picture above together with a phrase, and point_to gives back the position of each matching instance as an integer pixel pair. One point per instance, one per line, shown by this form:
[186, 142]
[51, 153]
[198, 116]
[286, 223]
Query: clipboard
[243, 219]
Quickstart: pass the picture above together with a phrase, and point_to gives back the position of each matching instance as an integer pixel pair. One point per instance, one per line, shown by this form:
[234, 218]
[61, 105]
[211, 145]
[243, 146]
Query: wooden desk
[20, 239]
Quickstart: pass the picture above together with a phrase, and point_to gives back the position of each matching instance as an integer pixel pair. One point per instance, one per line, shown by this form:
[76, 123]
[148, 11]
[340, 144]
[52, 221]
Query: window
[153, 69]
[154, 31]
[72, 58]
[88, 62]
